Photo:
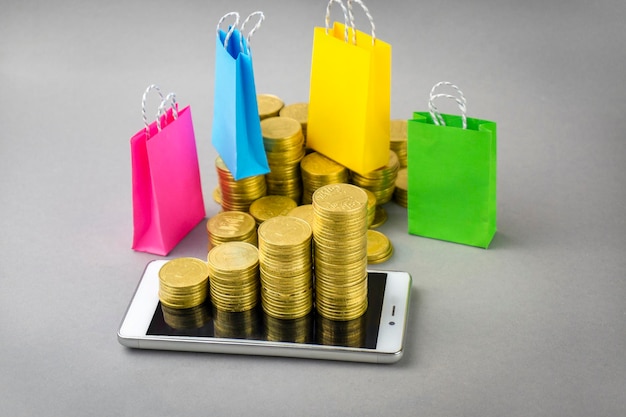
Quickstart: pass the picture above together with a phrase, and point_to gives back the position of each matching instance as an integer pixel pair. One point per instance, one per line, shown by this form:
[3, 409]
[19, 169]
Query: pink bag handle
[143, 106]
[171, 97]
[254, 29]
[345, 17]
[369, 17]
[232, 27]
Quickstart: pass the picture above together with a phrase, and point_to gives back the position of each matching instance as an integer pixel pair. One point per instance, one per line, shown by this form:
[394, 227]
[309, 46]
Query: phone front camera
[392, 323]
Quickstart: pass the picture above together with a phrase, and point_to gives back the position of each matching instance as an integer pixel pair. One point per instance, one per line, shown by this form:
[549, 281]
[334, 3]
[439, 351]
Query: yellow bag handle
[345, 17]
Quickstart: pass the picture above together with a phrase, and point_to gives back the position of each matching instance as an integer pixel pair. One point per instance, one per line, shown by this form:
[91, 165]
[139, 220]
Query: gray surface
[536, 325]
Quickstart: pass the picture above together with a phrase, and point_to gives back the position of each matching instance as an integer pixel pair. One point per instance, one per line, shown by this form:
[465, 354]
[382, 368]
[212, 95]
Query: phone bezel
[389, 345]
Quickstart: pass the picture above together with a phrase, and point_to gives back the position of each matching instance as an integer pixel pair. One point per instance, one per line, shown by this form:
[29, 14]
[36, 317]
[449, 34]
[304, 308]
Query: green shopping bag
[452, 175]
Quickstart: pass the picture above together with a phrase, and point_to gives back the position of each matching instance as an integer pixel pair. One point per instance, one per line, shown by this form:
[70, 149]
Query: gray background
[533, 326]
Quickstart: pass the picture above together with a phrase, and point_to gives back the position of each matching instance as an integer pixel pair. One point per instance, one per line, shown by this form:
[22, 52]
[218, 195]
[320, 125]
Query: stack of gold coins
[299, 112]
[340, 234]
[398, 140]
[231, 226]
[318, 170]
[271, 206]
[296, 330]
[379, 248]
[284, 147]
[371, 207]
[400, 194]
[183, 283]
[381, 181]
[304, 212]
[187, 318]
[269, 105]
[340, 333]
[234, 272]
[285, 267]
[236, 325]
[238, 195]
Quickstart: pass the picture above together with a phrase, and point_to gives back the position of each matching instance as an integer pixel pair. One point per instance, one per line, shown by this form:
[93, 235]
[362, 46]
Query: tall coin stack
[231, 226]
[317, 171]
[234, 272]
[340, 235]
[381, 181]
[183, 283]
[398, 140]
[400, 194]
[238, 195]
[285, 267]
[284, 147]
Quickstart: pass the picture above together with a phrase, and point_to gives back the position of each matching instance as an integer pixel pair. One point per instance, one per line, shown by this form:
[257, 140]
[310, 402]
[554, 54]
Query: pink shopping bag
[167, 193]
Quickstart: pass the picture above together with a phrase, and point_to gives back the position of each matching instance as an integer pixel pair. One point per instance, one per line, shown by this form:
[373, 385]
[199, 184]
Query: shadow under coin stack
[340, 235]
[183, 283]
[285, 267]
[238, 195]
[284, 148]
[231, 226]
[317, 171]
[234, 272]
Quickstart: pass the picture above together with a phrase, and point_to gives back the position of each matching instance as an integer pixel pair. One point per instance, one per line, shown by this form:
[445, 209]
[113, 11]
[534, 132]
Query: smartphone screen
[206, 321]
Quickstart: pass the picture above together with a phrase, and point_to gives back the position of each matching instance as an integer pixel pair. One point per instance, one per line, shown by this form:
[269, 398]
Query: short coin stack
[238, 195]
[271, 206]
[234, 272]
[379, 248]
[231, 226]
[284, 147]
[285, 267]
[400, 194]
[371, 206]
[381, 181]
[183, 283]
[340, 234]
[398, 140]
[318, 170]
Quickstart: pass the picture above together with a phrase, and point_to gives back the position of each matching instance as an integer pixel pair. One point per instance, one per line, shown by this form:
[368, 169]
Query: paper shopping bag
[349, 97]
[452, 179]
[167, 193]
[236, 131]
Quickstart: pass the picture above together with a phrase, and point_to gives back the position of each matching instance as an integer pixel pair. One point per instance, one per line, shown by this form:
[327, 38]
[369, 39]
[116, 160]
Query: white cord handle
[460, 101]
[143, 106]
[171, 97]
[369, 16]
[232, 27]
[345, 17]
[254, 29]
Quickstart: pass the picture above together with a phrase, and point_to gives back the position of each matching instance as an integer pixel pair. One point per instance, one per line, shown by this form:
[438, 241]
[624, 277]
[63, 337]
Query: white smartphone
[378, 336]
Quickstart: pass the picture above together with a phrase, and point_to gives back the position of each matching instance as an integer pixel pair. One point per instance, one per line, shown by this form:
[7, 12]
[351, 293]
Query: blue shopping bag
[236, 131]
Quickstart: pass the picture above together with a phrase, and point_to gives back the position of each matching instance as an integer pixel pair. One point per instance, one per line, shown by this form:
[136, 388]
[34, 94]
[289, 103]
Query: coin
[398, 140]
[231, 226]
[381, 181]
[269, 105]
[183, 282]
[400, 194]
[380, 218]
[299, 112]
[237, 195]
[379, 248]
[271, 206]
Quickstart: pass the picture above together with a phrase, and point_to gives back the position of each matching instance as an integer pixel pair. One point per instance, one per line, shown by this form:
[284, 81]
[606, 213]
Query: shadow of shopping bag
[167, 193]
[452, 175]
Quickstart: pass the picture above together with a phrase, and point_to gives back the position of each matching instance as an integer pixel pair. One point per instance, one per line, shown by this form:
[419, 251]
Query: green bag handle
[460, 101]
[345, 17]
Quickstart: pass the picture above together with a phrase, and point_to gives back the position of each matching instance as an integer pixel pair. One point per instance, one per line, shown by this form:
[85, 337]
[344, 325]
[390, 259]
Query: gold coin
[380, 218]
[183, 272]
[217, 195]
[281, 129]
[269, 105]
[398, 130]
[379, 248]
[304, 212]
[271, 206]
[400, 193]
[317, 164]
[340, 198]
[296, 111]
[231, 224]
[285, 231]
[233, 256]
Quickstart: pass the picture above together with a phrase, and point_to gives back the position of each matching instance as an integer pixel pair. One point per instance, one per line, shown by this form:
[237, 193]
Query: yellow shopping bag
[349, 97]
